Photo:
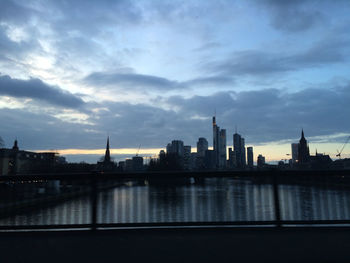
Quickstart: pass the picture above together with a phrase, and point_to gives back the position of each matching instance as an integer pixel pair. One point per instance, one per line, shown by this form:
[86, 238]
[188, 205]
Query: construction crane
[137, 153]
[342, 148]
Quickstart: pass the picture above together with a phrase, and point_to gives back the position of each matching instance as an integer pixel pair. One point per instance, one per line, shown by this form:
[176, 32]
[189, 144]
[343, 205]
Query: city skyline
[122, 154]
[147, 72]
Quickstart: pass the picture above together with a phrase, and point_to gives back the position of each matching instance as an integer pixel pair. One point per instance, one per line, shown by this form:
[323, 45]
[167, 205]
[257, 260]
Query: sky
[147, 72]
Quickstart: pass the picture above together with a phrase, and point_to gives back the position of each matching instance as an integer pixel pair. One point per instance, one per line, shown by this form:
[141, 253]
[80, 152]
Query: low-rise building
[16, 161]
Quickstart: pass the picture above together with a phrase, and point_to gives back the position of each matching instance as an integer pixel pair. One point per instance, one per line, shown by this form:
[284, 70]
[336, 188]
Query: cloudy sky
[147, 72]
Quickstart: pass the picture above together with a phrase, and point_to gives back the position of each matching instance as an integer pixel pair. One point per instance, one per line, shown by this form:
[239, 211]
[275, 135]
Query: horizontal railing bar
[178, 224]
[173, 174]
[45, 227]
[189, 224]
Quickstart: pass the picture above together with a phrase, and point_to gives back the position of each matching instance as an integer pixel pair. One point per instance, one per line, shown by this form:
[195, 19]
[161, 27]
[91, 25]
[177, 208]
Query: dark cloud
[130, 80]
[14, 12]
[331, 50]
[42, 131]
[293, 16]
[90, 17]
[261, 116]
[207, 47]
[272, 115]
[11, 48]
[212, 81]
[38, 90]
[133, 81]
[128, 126]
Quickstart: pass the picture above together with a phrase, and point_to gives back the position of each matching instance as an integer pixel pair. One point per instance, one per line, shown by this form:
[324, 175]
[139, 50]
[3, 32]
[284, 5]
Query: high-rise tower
[219, 145]
[202, 146]
[239, 150]
[216, 141]
[250, 157]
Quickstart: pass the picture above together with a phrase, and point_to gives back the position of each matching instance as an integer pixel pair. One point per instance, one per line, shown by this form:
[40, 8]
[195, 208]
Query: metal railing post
[94, 202]
[276, 200]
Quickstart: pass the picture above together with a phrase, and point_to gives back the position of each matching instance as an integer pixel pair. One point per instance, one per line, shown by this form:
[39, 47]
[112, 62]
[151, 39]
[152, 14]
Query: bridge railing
[242, 198]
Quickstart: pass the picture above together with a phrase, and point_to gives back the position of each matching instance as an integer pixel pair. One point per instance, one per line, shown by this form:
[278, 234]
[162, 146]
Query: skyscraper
[202, 146]
[219, 144]
[187, 156]
[216, 140]
[239, 150]
[231, 158]
[176, 146]
[243, 158]
[295, 147]
[222, 149]
[250, 157]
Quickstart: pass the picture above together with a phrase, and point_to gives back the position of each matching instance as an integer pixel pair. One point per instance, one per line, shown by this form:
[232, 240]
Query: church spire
[107, 154]
[15, 145]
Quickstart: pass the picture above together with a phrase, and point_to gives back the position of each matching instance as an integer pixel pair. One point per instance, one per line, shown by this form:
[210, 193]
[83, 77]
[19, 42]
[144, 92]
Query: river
[215, 199]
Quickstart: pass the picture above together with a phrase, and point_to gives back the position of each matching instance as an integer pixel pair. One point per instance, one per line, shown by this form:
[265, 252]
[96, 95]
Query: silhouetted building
[294, 147]
[341, 164]
[193, 161]
[15, 161]
[219, 145]
[121, 165]
[137, 164]
[106, 164]
[187, 157]
[250, 157]
[107, 153]
[303, 150]
[320, 161]
[15, 146]
[128, 165]
[222, 151]
[202, 146]
[177, 147]
[231, 163]
[210, 159]
[239, 149]
[261, 161]
[170, 161]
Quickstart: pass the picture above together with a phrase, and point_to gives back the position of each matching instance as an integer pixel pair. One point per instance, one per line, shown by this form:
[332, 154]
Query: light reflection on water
[216, 199]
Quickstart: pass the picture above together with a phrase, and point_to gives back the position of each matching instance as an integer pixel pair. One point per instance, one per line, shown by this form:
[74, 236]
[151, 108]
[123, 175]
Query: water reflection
[215, 199]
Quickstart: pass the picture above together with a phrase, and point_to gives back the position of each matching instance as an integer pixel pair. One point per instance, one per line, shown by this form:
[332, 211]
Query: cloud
[261, 116]
[14, 12]
[41, 131]
[293, 16]
[271, 114]
[330, 50]
[130, 80]
[73, 15]
[12, 48]
[213, 81]
[209, 46]
[38, 90]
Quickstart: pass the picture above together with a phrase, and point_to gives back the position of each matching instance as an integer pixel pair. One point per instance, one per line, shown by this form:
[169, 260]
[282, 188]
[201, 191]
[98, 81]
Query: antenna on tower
[236, 128]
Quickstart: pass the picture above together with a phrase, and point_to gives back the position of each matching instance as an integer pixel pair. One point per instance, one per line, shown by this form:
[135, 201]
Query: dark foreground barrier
[174, 199]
